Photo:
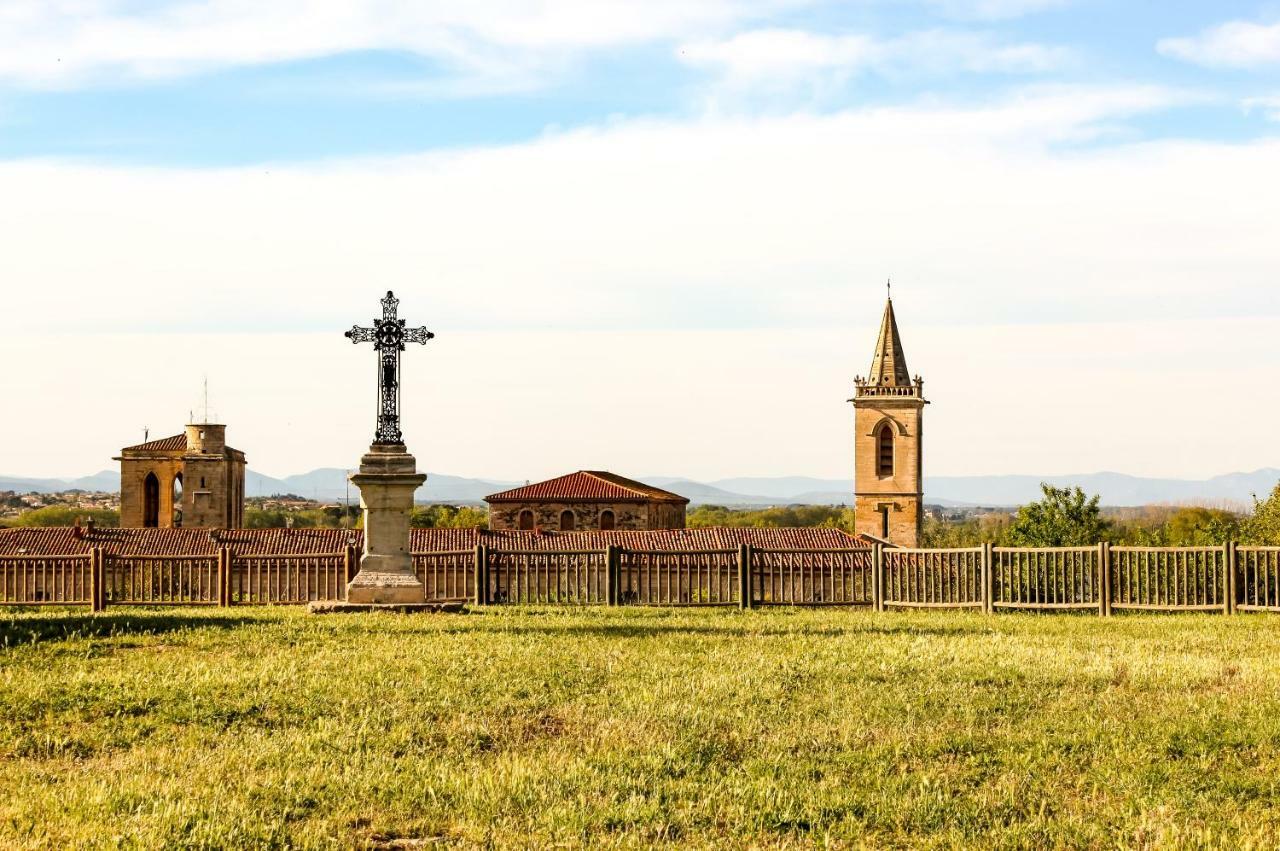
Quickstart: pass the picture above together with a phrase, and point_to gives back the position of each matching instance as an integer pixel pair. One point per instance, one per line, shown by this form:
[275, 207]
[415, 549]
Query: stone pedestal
[387, 480]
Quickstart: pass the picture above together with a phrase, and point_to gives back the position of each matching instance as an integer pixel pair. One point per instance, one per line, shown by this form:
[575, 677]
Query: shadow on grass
[646, 630]
[26, 627]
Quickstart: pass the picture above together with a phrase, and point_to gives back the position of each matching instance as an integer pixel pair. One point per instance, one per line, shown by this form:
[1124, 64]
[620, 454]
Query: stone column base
[387, 480]
[371, 586]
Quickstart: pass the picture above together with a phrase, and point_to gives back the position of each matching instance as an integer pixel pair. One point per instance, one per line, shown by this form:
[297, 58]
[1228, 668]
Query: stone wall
[627, 515]
[213, 492]
[212, 482]
[901, 494]
[133, 475]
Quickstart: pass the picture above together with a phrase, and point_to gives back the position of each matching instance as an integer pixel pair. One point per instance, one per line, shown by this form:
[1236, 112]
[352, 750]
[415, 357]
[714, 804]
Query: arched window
[177, 501]
[151, 501]
[884, 451]
[607, 520]
[566, 521]
[526, 520]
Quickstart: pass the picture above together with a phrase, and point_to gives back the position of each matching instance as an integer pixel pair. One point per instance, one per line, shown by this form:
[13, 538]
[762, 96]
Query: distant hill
[1116, 489]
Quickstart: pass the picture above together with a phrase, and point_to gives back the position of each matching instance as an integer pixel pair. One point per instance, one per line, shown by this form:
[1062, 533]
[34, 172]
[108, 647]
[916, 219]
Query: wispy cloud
[992, 10]
[779, 59]
[1268, 105]
[1235, 44]
[76, 42]
[751, 251]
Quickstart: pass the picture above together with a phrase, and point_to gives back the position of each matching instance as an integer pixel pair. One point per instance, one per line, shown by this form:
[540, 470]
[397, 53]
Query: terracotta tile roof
[64, 540]
[714, 538]
[165, 444]
[588, 486]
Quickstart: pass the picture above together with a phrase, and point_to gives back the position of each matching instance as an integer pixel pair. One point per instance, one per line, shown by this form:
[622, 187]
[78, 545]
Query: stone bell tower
[888, 410]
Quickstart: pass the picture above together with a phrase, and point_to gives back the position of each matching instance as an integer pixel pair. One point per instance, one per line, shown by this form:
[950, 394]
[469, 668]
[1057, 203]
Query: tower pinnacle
[889, 364]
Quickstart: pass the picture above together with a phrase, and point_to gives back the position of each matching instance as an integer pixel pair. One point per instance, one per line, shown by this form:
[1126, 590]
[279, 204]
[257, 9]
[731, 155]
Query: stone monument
[387, 479]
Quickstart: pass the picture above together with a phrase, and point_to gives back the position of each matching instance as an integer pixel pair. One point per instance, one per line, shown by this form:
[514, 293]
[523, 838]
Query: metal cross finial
[888, 286]
[388, 336]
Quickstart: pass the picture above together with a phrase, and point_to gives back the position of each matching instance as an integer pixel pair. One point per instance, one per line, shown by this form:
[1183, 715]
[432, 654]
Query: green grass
[636, 728]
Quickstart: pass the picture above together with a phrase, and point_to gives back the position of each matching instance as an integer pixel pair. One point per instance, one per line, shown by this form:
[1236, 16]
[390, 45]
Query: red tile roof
[587, 486]
[65, 541]
[165, 444]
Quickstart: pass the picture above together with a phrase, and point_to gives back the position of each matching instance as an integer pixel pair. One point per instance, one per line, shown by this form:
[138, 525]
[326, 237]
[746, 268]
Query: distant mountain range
[1117, 489]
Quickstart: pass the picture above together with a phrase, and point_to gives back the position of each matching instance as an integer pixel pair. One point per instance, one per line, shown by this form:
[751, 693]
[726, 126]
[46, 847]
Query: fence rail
[1046, 577]
[1102, 578]
[947, 579]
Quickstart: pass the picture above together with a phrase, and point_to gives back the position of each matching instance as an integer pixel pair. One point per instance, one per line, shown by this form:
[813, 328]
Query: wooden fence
[1100, 578]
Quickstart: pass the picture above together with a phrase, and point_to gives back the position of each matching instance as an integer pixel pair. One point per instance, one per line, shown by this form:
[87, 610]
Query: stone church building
[192, 479]
[888, 430]
[586, 500]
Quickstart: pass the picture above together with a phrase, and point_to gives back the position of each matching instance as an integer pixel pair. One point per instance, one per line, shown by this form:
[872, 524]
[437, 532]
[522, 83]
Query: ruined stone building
[888, 429]
[586, 500]
[192, 479]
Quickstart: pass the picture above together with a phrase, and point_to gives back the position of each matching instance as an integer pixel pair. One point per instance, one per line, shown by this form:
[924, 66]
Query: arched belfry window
[607, 520]
[177, 501]
[151, 501]
[526, 519]
[566, 521]
[884, 451]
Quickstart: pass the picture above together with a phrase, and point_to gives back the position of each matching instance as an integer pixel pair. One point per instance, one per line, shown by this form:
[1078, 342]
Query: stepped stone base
[327, 607]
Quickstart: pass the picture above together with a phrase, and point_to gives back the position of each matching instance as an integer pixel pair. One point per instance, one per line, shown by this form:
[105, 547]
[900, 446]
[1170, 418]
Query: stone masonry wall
[627, 515]
[903, 491]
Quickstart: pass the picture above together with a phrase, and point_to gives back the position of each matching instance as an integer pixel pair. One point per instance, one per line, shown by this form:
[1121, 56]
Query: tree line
[1062, 517]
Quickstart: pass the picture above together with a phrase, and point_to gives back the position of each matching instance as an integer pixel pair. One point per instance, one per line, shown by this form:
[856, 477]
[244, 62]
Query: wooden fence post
[1104, 579]
[613, 575]
[877, 577]
[988, 597]
[744, 576]
[351, 560]
[480, 576]
[1229, 567]
[224, 576]
[97, 580]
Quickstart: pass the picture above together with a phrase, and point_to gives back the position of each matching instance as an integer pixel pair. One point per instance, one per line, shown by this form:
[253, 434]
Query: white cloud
[1268, 105]
[663, 297]
[783, 58]
[995, 9]
[1235, 44]
[494, 42]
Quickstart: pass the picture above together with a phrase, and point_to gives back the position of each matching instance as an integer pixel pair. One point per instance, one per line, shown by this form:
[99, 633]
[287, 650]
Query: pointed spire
[889, 365]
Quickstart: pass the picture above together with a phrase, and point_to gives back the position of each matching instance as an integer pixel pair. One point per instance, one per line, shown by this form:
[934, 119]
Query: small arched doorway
[525, 522]
[151, 501]
[566, 521]
[607, 520]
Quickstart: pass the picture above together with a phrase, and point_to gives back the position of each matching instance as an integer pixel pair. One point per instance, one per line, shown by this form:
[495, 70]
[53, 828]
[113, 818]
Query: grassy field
[636, 728]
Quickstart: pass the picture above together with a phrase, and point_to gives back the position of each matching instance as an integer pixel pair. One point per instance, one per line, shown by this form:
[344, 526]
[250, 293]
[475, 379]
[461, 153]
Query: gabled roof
[588, 486]
[889, 365]
[165, 444]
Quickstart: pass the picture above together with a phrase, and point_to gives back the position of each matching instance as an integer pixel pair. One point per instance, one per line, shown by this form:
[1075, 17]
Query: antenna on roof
[146, 434]
[206, 398]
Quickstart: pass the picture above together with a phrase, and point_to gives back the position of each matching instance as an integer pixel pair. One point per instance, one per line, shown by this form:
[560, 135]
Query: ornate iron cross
[388, 336]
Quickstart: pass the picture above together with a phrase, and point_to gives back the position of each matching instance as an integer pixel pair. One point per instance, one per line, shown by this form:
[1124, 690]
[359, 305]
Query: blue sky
[625, 221]
[328, 96]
